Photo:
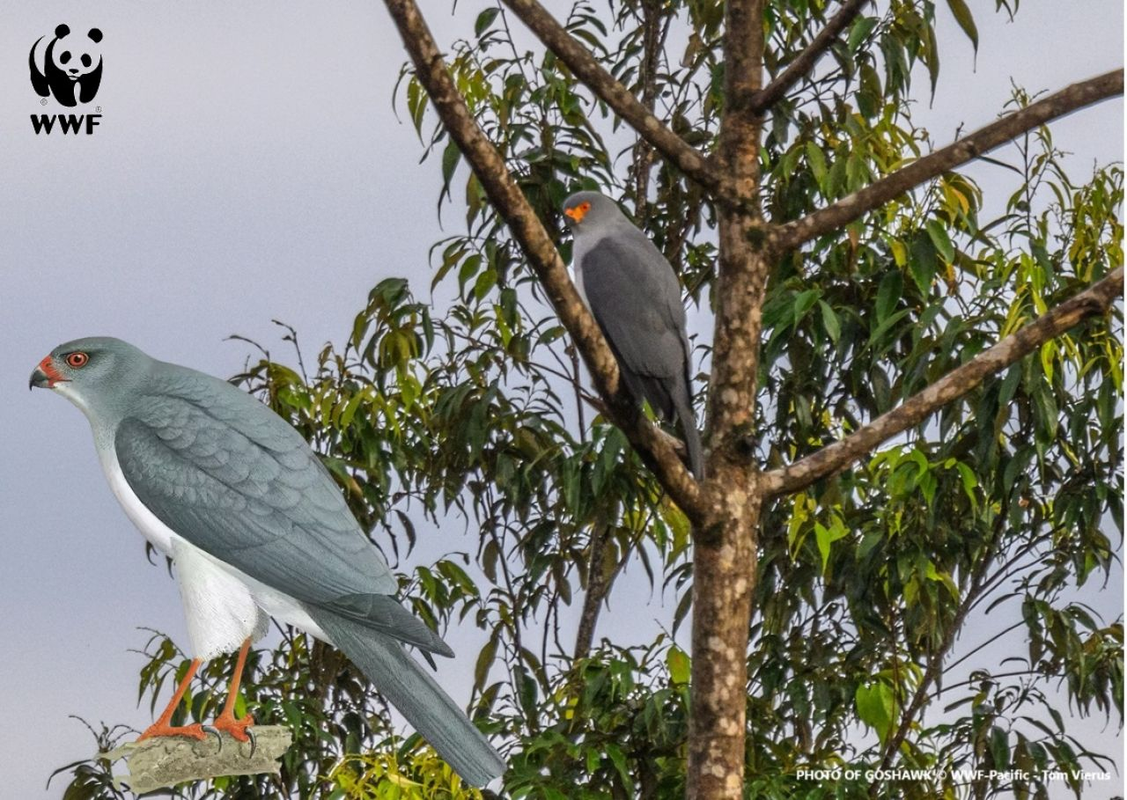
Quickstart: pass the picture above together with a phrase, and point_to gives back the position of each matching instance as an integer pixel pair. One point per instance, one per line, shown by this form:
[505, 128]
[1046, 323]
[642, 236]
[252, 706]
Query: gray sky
[248, 168]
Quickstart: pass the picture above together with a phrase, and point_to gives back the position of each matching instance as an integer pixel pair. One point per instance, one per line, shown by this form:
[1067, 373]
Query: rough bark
[1095, 300]
[487, 164]
[839, 214]
[167, 761]
[724, 572]
[724, 547]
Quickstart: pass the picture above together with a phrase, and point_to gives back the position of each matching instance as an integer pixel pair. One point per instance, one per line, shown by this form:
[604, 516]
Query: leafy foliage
[993, 513]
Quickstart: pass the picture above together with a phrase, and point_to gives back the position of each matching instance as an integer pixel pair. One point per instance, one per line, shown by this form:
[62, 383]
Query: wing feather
[231, 477]
[635, 298]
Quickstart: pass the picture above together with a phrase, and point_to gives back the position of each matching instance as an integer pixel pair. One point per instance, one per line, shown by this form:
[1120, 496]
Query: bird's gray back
[635, 297]
[233, 478]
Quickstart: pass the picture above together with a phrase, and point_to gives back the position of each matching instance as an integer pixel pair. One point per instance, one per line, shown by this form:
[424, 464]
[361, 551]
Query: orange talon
[163, 726]
[238, 728]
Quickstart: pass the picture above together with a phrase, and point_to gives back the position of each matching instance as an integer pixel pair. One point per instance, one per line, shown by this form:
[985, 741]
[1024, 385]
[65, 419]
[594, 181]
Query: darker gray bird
[255, 526]
[635, 297]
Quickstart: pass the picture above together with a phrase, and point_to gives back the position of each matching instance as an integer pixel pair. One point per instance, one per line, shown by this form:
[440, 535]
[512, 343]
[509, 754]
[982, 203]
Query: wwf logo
[68, 68]
[72, 66]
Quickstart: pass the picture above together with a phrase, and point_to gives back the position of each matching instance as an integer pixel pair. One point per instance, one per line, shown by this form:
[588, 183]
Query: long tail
[420, 699]
[692, 435]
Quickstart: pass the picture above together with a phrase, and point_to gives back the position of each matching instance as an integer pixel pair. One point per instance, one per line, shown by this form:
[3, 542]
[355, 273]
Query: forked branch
[839, 214]
[804, 63]
[608, 89]
[431, 71]
[1093, 301]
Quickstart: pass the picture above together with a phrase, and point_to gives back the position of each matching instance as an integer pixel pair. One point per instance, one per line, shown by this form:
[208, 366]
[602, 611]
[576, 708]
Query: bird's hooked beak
[45, 375]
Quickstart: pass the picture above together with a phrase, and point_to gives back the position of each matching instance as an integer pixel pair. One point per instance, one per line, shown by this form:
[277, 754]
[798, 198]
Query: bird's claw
[241, 730]
[218, 736]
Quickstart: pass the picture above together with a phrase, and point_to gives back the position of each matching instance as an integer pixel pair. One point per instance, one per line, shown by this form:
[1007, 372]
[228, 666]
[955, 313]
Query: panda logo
[72, 66]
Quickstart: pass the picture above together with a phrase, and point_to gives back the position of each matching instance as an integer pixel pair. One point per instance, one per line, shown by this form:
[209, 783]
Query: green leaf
[941, 240]
[875, 707]
[922, 263]
[618, 758]
[485, 660]
[817, 161]
[484, 20]
[888, 295]
[860, 31]
[827, 536]
[679, 665]
[830, 321]
[1000, 748]
[451, 155]
[804, 302]
[965, 19]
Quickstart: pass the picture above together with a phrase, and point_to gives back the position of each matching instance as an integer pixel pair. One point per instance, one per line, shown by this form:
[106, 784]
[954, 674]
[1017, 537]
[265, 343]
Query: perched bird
[634, 296]
[255, 526]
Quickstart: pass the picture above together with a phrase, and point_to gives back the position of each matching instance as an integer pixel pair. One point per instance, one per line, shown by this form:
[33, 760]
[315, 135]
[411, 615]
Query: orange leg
[162, 726]
[226, 720]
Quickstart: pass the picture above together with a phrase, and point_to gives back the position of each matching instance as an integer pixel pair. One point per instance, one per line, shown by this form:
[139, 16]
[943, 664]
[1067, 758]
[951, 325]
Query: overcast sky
[248, 167]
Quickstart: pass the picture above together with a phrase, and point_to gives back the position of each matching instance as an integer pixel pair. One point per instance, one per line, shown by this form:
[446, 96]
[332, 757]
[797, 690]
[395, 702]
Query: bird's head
[91, 373]
[585, 211]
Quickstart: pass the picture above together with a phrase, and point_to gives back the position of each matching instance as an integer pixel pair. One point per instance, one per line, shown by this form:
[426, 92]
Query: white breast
[223, 605]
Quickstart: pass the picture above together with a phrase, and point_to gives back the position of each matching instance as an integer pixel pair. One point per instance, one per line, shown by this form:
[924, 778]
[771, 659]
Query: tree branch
[652, 38]
[804, 63]
[596, 592]
[430, 70]
[167, 761]
[1096, 299]
[608, 89]
[598, 582]
[998, 133]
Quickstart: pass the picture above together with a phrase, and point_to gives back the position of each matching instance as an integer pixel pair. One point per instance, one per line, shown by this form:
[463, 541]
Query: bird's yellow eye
[77, 360]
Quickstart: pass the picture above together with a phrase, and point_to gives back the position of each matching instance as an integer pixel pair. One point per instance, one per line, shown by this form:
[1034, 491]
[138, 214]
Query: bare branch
[998, 133]
[608, 89]
[1096, 299]
[598, 582]
[431, 71]
[804, 63]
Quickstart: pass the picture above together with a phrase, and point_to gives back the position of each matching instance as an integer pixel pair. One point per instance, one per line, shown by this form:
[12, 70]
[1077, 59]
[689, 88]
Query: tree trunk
[724, 546]
[724, 568]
